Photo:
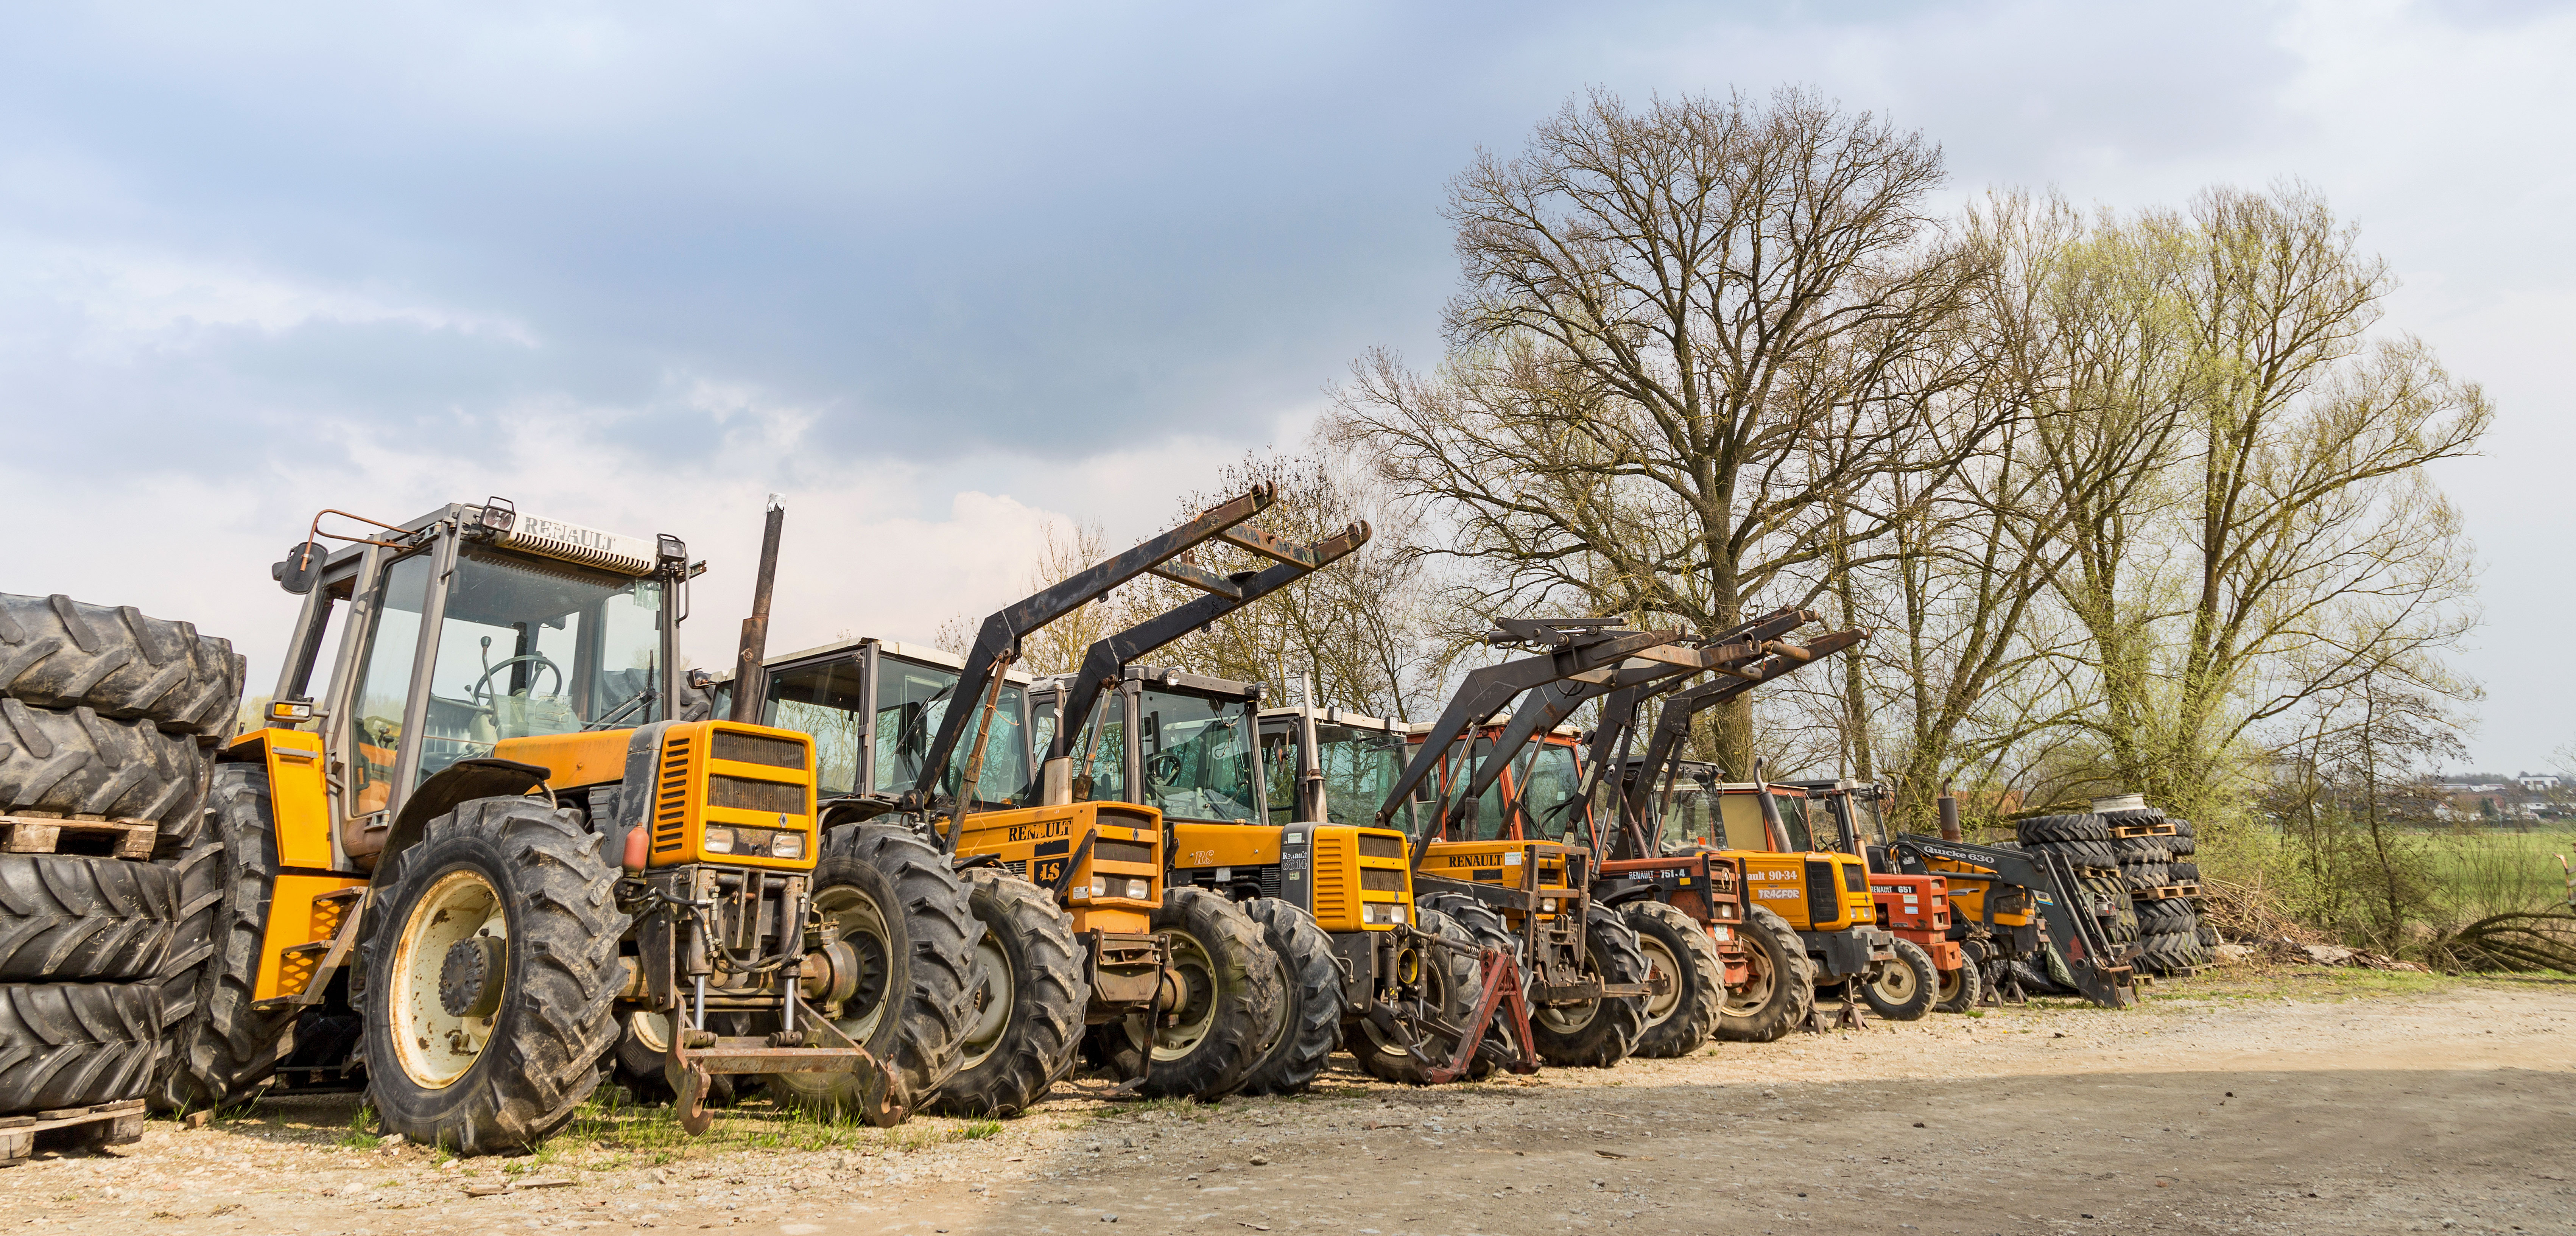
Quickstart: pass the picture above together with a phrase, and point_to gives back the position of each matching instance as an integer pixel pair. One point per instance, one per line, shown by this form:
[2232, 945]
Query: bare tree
[1673, 342]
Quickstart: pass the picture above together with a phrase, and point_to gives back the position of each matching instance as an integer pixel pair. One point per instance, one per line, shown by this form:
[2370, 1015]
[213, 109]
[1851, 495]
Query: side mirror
[301, 566]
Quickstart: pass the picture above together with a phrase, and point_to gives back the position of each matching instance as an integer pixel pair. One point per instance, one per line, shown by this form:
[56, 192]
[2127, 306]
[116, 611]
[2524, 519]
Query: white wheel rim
[653, 1030]
[1896, 983]
[1660, 964]
[435, 1046]
[990, 1001]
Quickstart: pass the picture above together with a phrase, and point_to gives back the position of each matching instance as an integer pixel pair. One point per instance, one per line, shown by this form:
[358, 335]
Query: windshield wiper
[633, 702]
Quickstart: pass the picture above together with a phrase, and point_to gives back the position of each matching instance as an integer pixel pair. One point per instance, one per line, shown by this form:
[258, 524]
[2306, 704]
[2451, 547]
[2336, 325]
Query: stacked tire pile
[2169, 928]
[2084, 840]
[108, 720]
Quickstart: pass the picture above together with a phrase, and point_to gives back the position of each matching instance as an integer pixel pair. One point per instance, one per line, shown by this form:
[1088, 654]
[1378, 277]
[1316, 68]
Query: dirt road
[2276, 1101]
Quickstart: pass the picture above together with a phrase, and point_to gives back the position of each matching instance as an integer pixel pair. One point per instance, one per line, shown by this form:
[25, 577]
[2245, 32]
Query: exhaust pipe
[750, 682]
[1949, 805]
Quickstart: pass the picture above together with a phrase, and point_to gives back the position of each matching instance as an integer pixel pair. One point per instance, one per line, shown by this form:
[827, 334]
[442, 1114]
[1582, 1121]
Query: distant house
[2540, 783]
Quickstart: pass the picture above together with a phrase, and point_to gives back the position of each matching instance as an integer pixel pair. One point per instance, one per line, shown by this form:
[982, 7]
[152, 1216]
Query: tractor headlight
[1140, 888]
[1386, 912]
[718, 841]
[787, 845]
[1547, 905]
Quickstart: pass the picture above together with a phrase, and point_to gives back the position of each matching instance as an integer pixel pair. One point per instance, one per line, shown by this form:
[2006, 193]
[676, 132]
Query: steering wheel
[1163, 767]
[478, 693]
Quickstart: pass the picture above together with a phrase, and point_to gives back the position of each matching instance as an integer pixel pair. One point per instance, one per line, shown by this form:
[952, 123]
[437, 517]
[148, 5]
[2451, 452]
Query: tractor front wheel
[1685, 980]
[1230, 1005]
[1596, 1033]
[1779, 988]
[1903, 989]
[1024, 1001]
[491, 971]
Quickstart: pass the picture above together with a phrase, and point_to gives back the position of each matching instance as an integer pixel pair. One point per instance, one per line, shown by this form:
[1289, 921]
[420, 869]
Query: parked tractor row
[493, 845]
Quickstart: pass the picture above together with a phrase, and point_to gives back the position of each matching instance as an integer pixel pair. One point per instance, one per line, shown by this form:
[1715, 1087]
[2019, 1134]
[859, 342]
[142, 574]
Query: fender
[462, 781]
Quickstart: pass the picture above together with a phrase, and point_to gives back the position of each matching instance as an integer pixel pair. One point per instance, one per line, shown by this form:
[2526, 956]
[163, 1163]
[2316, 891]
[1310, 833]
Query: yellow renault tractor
[485, 849]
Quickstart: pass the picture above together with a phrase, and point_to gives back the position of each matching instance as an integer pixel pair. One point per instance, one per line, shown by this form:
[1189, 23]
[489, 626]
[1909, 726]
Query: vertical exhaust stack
[1779, 833]
[748, 687]
[1949, 805]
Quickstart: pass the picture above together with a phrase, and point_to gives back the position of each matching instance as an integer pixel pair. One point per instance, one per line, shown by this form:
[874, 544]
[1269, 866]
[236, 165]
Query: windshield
[528, 647]
[1197, 756]
[1691, 819]
[1549, 789]
[825, 701]
[1359, 767]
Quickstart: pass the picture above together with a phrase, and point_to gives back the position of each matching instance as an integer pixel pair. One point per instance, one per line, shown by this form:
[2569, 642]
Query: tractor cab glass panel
[824, 701]
[384, 680]
[1482, 819]
[1692, 816]
[1868, 826]
[913, 700]
[1196, 755]
[531, 647]
[1105, 737]
[1359, 767]
[1550, 791]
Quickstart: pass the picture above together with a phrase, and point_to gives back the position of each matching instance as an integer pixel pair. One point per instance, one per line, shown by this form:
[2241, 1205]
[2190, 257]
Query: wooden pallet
[100, 837]
[107, 1124]
[2165, 829]
[2165, 892]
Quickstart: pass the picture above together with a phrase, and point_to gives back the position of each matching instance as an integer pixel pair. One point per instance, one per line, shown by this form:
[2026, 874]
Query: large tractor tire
[1903, 989]
[1686, 980]
[1025, 1000]
[1310, 982]
[491, 969]
[220, 1048]
[75, 1044]
[2166, 915]
[1231, 1009]
[2138, 877]
[76, 762]
[1958, 991]
[56, 652]
[2133, 850]
[1596, 1034]
[65, 918]
[1779, 990]
[2046, 829]
[895, 901]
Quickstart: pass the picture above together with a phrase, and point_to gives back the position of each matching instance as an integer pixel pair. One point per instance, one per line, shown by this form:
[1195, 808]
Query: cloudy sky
[944, 273]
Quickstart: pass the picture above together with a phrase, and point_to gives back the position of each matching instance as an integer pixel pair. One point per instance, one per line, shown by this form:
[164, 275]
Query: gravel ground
[2254, 1100]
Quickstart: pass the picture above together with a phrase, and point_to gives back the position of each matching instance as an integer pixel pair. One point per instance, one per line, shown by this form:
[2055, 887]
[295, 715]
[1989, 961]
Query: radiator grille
[1112, 850]
[1378, 845]
[1382, 879]
[758, 749]
[671, 799]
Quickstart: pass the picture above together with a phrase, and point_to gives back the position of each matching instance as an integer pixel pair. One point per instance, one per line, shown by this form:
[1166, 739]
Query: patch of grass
[602, 1137]
[361, 1133]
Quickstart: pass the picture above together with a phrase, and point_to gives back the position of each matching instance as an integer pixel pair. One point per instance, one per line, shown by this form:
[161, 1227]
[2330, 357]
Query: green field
[2482, 873]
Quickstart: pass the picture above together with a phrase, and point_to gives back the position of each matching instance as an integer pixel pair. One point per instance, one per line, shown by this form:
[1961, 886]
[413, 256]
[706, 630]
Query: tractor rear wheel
[1486, 928]
[1959, 990]
[1686, 981]
[1310, 1021]
[1024, 1003]
[1903, 989]
[1780, 987]
[492, 969]
[893, 900]
[221, 1048]
[1596, 1033]
[1231, 1004]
